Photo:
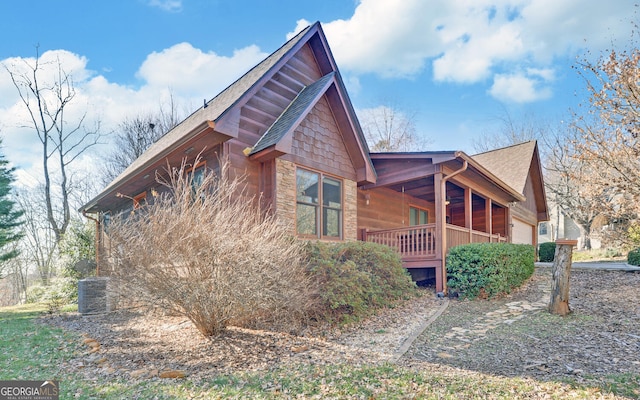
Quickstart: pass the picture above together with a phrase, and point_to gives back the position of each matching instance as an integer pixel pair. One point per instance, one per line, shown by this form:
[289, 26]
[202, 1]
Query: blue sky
[459, 65]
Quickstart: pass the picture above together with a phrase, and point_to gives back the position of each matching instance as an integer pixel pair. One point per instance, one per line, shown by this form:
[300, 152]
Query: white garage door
[522, 232]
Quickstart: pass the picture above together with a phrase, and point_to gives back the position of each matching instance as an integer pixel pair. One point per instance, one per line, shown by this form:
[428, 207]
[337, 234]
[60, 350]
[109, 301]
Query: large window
[319, 205]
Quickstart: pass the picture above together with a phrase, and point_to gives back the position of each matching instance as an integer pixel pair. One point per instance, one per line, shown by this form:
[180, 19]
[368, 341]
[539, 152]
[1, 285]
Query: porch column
[489, 218]
[441, 229]
[468, 213]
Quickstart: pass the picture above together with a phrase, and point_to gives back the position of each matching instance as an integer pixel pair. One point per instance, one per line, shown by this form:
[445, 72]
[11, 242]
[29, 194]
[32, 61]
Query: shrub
[633, 257]
[60, 292]
[203, 251]
[356, 278]
[546, 251]
[488, 269]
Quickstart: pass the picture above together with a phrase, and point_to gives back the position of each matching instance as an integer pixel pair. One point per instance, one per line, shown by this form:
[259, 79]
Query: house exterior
[289, 127]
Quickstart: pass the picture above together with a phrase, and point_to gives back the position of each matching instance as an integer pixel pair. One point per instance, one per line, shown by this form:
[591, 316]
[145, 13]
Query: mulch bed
[600, 337]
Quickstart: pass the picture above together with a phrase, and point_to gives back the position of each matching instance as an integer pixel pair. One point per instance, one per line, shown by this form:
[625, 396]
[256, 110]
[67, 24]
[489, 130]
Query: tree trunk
[559, 303]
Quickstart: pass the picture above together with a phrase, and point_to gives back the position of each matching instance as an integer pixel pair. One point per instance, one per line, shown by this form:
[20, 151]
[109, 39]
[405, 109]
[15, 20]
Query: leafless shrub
[204, 250]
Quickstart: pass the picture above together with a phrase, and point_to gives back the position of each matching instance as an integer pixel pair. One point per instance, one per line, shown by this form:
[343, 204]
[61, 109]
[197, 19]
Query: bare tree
[567, 184]
[608, 132]
[63, 141]
[134, 135]
[512, 131]
[199, 250]
[387, 128]
[39, 242]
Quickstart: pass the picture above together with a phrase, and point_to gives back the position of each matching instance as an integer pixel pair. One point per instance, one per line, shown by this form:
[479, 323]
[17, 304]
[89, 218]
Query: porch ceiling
[424, 189]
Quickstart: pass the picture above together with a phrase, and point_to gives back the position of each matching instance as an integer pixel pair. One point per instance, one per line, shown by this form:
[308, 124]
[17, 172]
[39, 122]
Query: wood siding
[261, 111]
[388, 209]
[318, 144]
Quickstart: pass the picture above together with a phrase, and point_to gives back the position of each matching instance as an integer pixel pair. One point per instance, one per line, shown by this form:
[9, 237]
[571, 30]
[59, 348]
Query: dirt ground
[510, 336]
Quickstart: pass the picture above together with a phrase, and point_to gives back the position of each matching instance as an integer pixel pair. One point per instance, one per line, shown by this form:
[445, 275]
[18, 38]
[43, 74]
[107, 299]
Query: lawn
[34, 351]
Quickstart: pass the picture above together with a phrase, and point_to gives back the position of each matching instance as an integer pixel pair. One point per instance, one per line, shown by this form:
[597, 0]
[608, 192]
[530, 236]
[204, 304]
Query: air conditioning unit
[94, 296]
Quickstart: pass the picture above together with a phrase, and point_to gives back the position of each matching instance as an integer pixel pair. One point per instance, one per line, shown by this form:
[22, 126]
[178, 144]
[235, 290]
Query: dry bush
[207, 252]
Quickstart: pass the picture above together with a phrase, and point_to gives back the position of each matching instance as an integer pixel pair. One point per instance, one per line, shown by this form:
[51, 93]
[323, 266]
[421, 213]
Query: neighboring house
[288, 126]
[561, 226]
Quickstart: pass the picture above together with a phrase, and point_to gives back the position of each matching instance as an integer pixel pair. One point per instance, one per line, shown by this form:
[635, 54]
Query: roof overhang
[398, 168]
[141, 175]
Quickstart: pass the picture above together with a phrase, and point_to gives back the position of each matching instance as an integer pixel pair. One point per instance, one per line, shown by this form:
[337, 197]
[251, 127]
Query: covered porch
[446, 199]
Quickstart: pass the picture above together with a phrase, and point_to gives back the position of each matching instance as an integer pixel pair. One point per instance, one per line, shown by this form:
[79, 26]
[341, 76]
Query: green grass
[600, 255]
[31, 350]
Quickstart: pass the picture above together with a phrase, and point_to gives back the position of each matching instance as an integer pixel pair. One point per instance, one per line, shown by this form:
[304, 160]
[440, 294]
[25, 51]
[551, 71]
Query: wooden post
[468, 212]
[561, 273]
[441, 227]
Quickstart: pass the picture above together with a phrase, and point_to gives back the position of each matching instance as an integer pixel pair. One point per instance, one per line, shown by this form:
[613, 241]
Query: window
[418, 216]
[318, 205]
[139, 200]
[542, 228]
[106, 221]
[196, 175]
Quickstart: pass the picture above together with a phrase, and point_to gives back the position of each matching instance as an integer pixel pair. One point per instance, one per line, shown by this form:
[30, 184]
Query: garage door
[522, 232]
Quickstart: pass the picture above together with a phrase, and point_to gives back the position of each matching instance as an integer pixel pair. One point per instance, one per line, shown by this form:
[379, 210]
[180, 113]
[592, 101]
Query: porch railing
[420, 241]
[411, 242]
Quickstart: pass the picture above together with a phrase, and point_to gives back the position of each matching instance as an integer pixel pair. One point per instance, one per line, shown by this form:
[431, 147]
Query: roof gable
[516, 165]
[292, 115]
[510, 164]
[221, 115]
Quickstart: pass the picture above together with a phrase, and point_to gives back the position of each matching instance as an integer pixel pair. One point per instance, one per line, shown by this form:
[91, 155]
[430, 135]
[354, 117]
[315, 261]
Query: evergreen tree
[10, 216]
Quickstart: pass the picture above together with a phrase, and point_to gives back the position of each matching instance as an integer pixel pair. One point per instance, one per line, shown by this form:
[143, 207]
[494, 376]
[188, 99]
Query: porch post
[441, 228]
[468, 213]
[489, 218]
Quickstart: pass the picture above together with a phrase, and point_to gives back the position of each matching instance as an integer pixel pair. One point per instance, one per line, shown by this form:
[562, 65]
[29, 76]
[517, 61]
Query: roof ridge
[507, 147]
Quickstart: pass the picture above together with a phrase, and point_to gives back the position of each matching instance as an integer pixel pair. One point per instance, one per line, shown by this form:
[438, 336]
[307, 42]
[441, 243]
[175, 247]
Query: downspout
[97, 240]
[443, 233]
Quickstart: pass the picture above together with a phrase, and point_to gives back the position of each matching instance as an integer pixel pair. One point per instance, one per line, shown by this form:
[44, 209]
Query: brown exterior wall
[318, 144]
[388, 209]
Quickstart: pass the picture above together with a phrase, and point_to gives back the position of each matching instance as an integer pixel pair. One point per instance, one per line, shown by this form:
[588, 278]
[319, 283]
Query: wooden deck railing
[411, 242]
[420, 241]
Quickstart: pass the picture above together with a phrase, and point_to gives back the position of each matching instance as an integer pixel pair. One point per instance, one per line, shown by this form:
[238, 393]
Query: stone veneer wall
[285, 200]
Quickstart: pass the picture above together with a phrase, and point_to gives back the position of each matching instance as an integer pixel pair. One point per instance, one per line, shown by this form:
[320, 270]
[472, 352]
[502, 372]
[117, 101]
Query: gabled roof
[292, 114]
[427, 160]
[510, 164]
[513, 164]
[219, 117]
[211, 111]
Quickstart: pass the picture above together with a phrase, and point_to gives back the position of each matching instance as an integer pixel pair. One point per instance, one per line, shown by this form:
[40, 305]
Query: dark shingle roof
[510, 164]
[213, 110]
[292, 113]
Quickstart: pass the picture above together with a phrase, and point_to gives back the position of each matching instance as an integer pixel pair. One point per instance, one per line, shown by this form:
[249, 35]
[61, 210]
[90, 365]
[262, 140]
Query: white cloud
[201, 74]
[187, 74]
[519, 88]
[300, 25]
[472, 41]
[173, 6]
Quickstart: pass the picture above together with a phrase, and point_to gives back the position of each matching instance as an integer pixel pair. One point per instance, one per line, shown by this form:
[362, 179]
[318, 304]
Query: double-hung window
[318, 205]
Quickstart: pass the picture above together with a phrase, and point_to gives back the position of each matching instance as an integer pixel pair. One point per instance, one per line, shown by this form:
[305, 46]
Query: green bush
[355, 278]
[60, 292]
[633, 257]
[546, 251]
[488, 269]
